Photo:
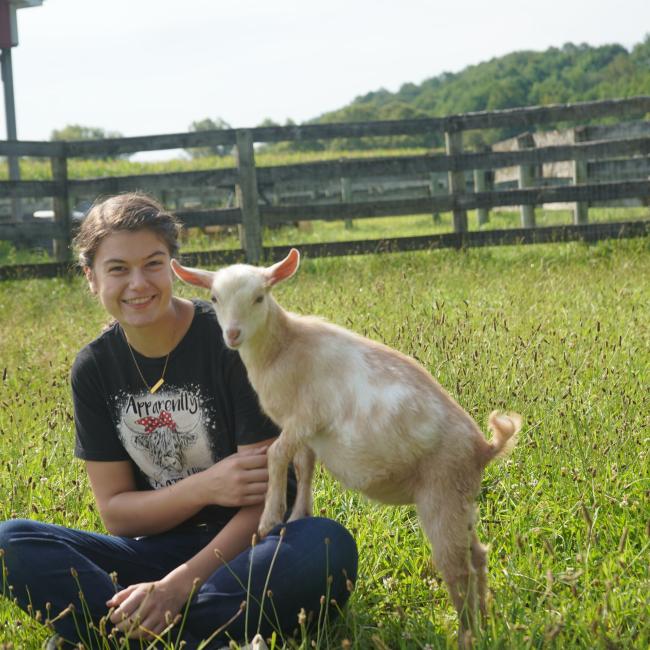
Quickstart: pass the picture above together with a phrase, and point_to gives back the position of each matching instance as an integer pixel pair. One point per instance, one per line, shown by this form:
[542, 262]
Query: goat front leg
[278, 455]
[303, 462]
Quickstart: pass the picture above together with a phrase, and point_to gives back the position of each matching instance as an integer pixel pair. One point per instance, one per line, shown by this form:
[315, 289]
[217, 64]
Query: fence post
[526, 176]
[433, 190]
[578, 176]
[250, 230]
[454, 145]
[346, 197]
[61, 205]
[482, 184]
[178, 199]
[13, 161]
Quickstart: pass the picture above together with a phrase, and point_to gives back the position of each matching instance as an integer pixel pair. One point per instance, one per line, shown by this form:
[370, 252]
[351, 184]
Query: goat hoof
[465, 640]
[267, 524]
[263, 531]
[299, 515]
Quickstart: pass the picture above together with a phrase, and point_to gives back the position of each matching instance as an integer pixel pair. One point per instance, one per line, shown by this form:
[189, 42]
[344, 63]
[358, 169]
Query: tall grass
[558, 333]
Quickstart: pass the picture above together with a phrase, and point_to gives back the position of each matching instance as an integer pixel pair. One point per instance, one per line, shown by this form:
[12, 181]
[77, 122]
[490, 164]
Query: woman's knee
[339, 556]
[9, 531]
[14, 528]
[12, 532]
[329, 566]
[342, 549]
[343, 560]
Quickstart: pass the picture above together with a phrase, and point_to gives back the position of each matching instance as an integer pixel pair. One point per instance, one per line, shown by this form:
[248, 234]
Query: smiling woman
[125, 246]
[131, 278]
[174, 443]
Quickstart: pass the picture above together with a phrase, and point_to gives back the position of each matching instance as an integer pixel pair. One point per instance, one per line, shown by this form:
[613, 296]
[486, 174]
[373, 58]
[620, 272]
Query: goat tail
[504, 428]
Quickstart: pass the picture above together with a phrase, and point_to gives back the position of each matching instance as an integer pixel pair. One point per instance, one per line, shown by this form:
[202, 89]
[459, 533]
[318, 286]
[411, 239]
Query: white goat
[375, 418]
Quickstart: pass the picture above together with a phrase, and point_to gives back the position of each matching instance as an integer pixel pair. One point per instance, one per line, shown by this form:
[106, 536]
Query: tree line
[571, 73]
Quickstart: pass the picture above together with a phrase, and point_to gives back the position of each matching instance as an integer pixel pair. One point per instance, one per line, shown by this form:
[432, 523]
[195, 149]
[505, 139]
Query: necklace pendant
[157, 385]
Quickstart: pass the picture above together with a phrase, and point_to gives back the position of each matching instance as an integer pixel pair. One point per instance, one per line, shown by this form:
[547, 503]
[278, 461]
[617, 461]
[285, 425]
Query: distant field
[33, 169]
[372, 228]
[558, 333]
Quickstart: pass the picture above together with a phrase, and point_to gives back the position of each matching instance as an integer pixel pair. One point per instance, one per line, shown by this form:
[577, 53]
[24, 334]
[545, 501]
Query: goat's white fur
[374, 418]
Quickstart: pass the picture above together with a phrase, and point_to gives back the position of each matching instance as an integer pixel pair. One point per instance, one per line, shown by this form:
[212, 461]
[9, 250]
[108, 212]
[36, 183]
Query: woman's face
[132, 277]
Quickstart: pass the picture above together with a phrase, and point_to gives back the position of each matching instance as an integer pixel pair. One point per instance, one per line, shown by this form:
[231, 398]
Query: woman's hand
[238, 480]
[148, 608]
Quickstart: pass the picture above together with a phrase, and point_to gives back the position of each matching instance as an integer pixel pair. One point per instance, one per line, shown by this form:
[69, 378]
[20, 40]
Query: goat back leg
[479, 562]
[303, 462]
[447, 520]
[278, 456]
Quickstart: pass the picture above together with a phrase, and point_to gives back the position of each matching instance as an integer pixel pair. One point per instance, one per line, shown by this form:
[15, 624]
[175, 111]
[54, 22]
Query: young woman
[174, 444]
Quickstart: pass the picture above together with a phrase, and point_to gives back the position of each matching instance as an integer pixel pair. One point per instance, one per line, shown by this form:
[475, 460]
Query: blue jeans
[313, 560]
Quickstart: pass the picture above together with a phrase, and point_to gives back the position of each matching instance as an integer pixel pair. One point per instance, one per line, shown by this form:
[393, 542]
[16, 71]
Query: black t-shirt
[203, 411]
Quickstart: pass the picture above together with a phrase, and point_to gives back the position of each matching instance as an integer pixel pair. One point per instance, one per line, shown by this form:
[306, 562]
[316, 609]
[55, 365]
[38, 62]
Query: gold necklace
[161, 381]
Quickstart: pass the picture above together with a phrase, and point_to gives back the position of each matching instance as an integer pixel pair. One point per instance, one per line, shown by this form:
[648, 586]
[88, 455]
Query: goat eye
[259, 299]
[214, 299]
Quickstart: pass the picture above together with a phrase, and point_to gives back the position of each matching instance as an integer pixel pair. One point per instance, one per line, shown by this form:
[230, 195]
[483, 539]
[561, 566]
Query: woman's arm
[148, 607]
[239, 480]
[232, 539]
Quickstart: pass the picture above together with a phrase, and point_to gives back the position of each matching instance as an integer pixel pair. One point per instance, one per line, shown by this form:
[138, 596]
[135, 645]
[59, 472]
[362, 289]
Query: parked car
[49, 215]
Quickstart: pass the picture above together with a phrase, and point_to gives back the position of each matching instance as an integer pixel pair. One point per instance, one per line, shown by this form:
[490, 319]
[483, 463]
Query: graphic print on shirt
[166, 434]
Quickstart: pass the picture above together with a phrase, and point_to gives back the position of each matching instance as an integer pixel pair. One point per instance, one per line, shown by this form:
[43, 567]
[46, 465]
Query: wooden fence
[248, 181]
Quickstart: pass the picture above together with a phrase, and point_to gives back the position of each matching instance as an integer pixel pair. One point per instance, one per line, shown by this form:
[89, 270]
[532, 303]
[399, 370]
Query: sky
[144, 67]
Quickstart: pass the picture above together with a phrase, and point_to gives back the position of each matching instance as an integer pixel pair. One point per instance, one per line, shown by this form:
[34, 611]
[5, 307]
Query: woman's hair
[133, 211]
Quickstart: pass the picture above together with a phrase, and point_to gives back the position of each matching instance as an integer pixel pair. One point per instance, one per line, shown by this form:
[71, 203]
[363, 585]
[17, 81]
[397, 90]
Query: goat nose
[233, 333]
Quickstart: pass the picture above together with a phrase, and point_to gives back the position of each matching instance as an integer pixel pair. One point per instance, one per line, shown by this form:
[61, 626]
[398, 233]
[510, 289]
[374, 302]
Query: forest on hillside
[571, 73]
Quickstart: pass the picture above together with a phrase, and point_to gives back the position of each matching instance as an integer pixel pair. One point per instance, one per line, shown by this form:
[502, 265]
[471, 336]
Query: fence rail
[594, 149]
[519, 236]
[336, 169]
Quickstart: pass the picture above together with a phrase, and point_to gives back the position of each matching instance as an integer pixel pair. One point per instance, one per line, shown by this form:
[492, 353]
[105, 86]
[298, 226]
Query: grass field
[558, 333]
[37, 169]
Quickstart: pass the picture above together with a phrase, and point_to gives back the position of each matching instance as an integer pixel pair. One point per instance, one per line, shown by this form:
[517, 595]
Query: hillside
[571, 73]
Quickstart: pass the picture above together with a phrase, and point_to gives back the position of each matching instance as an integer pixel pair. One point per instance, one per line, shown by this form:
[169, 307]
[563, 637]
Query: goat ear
[284, 269]
[197, 277]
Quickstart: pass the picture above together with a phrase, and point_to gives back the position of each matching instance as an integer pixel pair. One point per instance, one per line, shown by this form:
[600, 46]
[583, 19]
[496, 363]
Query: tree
[267, 121]
[73, 132]
[208, 124]
[641, 53]
[79, 132]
